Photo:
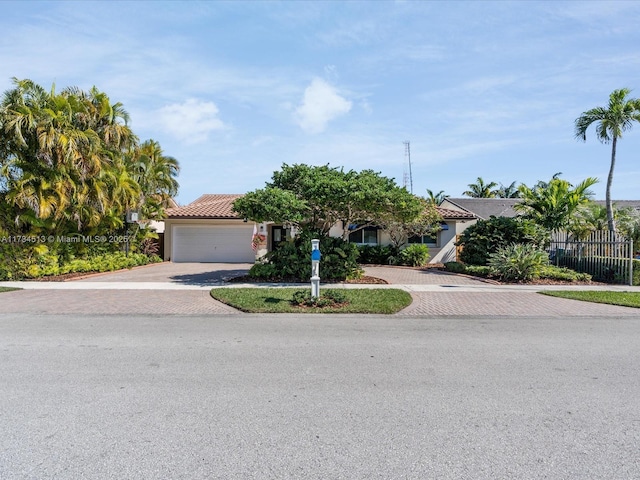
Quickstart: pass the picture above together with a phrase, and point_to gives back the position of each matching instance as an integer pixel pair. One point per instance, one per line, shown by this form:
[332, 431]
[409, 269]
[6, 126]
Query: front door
[278, 235]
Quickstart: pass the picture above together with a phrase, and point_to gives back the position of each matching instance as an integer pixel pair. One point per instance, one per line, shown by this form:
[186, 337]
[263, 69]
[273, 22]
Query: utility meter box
[132, 216]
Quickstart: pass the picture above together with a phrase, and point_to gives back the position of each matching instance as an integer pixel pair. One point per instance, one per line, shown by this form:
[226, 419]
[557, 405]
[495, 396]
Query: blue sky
[235, 89]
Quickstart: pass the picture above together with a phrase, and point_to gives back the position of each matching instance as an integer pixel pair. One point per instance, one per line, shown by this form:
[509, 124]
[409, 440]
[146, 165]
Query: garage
[208, 230]
[202, 243]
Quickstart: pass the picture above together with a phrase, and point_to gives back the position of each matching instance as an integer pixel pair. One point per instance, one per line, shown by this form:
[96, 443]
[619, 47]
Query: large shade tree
[611, 121]
[320, 197]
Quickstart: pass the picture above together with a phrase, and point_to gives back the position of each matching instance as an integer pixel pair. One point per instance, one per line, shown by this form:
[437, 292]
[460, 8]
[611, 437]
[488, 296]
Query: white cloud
[191, 121]
[321, 104]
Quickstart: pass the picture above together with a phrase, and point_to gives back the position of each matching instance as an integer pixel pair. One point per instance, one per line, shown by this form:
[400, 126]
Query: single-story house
[207, 230]
[483, 208]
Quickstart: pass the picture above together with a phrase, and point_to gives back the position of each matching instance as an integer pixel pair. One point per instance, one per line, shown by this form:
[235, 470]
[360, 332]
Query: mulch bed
[60, 278]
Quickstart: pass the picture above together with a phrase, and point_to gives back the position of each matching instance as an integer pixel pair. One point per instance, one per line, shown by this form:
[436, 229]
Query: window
[425, 239]
[367, 235]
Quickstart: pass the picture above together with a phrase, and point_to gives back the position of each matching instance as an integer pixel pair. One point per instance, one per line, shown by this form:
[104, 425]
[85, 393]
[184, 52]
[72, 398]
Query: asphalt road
[318, 397]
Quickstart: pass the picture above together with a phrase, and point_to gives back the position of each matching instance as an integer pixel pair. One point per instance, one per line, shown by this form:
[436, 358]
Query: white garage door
[212, 244]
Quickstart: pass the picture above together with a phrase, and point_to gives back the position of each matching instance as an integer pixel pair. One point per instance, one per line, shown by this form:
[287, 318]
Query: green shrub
[488, 236]
[376, 254]
[263, 270]
[455, 267]
[292, 260]
[327, 298]
[478, 270]
[37, 262]
[416, 255]
[552, 272]
[518, 262]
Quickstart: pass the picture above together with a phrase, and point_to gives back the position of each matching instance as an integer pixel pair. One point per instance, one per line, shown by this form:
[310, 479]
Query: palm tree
[481, 190]
[435, 198]
[509, 191]
[554, 206]
[611, 122]
[156, 174]
[543, 184]
[63, 155]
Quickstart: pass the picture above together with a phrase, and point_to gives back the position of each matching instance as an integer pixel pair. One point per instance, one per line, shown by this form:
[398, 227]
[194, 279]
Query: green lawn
[7, 289]
[625, 299]
[278, 300]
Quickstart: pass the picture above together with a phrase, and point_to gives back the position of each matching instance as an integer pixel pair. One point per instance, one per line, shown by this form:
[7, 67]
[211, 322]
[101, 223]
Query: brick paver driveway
[183, 288]
[176, 273]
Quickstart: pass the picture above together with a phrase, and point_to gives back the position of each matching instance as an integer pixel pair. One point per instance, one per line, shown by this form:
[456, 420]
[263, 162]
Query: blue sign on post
[315, 268]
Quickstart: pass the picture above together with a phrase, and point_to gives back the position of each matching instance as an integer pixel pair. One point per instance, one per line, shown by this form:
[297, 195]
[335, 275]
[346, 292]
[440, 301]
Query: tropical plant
[65, 170]
[543, 184]
[376, 254]
[481, 189]
[508, 191]
[518, 262]
[290, 261]
[415, 255]
[487, 236]
[587, 219]
[628, 223]
[611, 122]
[156, 174]
[554, 206]
[435, 199]
[63, 156]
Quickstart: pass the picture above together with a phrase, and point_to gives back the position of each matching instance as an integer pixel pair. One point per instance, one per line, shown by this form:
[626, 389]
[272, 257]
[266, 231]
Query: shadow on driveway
[205, 278]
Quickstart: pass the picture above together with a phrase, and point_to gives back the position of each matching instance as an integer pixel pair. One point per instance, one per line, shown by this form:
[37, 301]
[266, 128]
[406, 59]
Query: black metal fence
[606, 256]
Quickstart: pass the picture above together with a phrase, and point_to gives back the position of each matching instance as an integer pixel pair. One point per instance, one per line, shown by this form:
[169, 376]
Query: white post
[315, 268]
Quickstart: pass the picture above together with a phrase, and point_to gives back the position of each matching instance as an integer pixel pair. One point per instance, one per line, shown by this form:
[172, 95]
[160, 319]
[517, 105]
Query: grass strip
[624, 299]
[8, 289]
[278, 300]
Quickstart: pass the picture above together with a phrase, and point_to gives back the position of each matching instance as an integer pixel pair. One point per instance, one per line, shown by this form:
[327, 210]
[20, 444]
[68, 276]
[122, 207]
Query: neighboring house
[483, 208]
[207, 230]
[634, 204]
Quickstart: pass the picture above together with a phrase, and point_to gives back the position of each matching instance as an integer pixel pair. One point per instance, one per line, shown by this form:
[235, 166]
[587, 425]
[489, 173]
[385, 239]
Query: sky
[233, 90]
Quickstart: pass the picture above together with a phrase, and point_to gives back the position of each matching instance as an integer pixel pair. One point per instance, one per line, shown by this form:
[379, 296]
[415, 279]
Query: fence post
[631, 262]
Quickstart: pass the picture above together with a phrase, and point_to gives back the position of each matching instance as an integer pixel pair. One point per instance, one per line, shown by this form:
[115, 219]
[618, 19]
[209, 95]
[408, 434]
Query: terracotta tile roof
[449, 214]
[207, 206]
[219, 206]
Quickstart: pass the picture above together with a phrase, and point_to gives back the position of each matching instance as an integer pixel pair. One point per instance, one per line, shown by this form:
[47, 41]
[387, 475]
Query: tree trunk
[610, 220]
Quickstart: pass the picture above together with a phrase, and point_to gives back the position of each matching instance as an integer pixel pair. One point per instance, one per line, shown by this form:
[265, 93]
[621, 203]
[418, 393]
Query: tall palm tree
[156, 174]
[611, 121]
[481, 189]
